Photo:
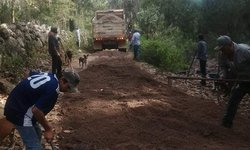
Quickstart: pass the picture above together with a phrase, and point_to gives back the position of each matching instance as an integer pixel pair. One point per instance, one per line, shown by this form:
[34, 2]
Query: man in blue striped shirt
[135, 41]
[239, 55]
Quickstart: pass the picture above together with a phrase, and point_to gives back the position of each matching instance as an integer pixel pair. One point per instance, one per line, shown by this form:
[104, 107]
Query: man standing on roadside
[32, 99]
[202, 56]
[239, 55]
[136, 43]
[54, 51]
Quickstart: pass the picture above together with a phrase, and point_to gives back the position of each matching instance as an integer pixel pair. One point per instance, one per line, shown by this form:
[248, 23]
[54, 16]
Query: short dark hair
[201, 37]
[53, 29]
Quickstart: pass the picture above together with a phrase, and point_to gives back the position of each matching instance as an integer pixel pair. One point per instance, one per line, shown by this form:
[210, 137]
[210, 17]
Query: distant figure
[78, 37]
[54, 51]
[239, 56]
[136, 43]
[202, 56]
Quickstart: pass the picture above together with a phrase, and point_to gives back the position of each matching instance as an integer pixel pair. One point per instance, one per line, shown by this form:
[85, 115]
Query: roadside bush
[5, 13]
[163, 55]
[70, 42]
[167, 52]
[14, 66]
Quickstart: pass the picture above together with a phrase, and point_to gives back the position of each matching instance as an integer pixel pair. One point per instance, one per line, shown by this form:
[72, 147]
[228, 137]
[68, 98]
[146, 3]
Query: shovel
[52, 145]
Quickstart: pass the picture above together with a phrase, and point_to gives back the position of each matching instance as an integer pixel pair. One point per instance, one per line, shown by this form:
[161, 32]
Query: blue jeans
[136, 52]
[31, 136]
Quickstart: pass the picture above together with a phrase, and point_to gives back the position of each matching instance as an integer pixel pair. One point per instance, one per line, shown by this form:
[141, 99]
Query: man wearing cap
[54, 51]
[32, 99]
[239, 55]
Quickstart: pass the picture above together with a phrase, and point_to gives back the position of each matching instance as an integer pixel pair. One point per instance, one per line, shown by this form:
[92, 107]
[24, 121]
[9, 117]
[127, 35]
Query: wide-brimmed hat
[223, 41]
[72, 78]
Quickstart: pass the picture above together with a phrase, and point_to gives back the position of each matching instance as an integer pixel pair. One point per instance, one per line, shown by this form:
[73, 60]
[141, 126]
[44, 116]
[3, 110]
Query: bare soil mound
[121, 107]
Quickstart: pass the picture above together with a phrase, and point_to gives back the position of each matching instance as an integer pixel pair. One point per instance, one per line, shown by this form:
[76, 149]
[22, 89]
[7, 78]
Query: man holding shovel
[32, 99]
[239, 55]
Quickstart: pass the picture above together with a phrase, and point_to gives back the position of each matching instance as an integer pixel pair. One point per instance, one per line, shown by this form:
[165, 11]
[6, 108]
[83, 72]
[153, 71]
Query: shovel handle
[52, 145]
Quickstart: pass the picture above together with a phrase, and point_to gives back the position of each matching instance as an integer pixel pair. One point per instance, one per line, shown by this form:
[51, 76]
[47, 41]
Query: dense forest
[169, 27]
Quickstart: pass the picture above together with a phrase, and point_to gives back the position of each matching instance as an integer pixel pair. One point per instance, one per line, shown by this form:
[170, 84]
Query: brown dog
[68, 57]
[83, 61]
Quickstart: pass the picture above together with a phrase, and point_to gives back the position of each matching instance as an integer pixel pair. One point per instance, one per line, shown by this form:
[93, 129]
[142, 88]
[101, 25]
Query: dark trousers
[236, 96]
[203, 64]
[57, 65]
[136, 52]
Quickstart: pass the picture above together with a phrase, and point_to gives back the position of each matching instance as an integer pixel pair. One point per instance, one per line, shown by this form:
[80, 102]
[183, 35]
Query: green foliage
[163, 54]
[182, 14]
[149, 20]
[227, 17]
[115, 4]
[167, 52]
[69, 43]
[5, 13]
[15, 64]
[88, 46]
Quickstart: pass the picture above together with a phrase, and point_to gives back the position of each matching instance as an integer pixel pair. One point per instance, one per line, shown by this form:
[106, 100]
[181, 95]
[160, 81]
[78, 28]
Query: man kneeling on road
[239, 55]
[32, 99]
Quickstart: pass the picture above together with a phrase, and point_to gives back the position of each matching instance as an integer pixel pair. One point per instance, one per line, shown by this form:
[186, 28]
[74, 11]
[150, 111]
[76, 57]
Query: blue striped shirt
[136, 39]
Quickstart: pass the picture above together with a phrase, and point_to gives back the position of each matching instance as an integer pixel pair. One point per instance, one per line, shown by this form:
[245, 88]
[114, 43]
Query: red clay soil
[121, 107]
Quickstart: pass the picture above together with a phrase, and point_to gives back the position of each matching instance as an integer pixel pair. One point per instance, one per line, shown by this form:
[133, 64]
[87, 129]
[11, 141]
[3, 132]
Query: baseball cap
[222, 41]
[73, 79]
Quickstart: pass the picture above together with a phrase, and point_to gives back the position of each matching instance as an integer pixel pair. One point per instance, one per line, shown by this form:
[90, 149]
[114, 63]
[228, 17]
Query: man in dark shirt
[239, 56]
[54, 51]
[32, 99]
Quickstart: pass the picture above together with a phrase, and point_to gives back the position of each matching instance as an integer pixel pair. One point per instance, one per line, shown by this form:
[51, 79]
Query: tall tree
[227, 17]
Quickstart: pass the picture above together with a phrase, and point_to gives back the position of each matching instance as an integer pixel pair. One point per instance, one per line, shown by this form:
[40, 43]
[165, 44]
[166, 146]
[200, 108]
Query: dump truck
[109, 30]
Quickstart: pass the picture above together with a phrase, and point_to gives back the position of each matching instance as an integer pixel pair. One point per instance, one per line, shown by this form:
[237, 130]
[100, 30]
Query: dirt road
[121, 107]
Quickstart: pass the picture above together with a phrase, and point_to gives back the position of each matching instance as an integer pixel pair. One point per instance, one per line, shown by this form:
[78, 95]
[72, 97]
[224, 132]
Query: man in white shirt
[78, 37]
[135, 41]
